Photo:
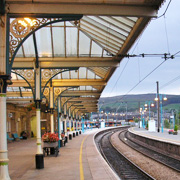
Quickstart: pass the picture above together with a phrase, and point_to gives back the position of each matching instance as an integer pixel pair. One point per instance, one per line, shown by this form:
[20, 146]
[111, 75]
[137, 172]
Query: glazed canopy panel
[81, 55]
[122, 2]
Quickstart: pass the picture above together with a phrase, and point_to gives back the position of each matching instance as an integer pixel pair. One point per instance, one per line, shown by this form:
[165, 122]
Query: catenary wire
[171, 57]
[124, 66]
[164, 11]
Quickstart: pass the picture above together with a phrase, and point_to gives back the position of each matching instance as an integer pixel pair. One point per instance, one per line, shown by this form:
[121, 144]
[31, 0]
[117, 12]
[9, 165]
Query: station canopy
[81, 55]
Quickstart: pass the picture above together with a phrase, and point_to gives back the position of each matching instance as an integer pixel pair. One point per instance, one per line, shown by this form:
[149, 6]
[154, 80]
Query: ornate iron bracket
[20, 28]
[5, 80]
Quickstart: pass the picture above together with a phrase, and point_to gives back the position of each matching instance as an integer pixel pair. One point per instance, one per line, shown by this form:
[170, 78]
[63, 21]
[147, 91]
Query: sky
[162, 35]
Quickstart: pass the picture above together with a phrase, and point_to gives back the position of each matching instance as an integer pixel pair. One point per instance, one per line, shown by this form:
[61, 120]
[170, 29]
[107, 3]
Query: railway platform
[161, 136]
[78, 160]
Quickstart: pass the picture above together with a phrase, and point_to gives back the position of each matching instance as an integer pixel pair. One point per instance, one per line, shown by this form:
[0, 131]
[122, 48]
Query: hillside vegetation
[134, 102]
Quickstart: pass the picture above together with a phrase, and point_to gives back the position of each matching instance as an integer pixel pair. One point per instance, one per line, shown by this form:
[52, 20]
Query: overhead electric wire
[139, 82]
[165, 10]
[170, 82]
[143, 78]
[167, 40]
[125, 65]
[171, 57]
[119, 76]
[142, 55]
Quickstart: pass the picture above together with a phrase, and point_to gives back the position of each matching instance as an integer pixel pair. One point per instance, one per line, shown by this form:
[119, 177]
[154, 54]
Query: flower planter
[170, 132]
[50, 148]
[50, 144]
[175, 133]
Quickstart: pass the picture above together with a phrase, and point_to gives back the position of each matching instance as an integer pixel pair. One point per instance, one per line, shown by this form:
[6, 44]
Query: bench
[9, 139]
[16, 137]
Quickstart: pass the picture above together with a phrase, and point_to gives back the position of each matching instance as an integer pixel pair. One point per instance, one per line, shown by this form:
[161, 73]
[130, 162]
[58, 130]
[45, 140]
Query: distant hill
[135, 101]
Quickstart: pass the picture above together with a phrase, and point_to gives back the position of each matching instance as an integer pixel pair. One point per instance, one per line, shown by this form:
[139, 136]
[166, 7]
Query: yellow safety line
[80, 160]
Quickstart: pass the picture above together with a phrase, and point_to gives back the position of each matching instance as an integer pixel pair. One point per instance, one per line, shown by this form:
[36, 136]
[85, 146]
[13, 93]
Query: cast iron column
[70, 119]
[4, 81]
[59, 120]
[65, 121]
[51, 107]
[39, 154]
[158, 107]
[4, 174]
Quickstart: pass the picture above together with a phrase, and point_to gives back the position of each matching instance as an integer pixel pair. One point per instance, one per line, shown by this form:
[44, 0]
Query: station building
[60, 53]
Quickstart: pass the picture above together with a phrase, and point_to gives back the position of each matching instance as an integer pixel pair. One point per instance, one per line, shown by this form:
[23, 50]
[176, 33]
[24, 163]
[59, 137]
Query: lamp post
[173, 119]
[107, 117]
[116, 118]
[113, 118]
[161, 99]
[149, 104]
[99, 111]
[142, 110]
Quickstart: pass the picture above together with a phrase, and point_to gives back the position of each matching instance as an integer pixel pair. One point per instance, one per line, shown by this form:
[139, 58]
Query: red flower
[50, 137]
[171, 130]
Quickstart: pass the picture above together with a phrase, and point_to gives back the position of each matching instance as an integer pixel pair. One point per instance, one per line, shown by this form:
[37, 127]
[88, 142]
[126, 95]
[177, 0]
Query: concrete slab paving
[64, 167]
[162, 136]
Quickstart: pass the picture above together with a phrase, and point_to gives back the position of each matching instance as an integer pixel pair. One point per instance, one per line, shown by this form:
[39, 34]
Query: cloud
[161, 36]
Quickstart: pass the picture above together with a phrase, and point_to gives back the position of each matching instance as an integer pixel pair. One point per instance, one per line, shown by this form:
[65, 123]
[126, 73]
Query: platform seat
[9, 139]
[16, 137]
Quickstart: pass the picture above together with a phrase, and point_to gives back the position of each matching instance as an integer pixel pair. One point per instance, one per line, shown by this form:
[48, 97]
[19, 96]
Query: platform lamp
[142, 111]
[149, 104]
[108, 118]
[102, 115]
[161, 98]
[116, 118]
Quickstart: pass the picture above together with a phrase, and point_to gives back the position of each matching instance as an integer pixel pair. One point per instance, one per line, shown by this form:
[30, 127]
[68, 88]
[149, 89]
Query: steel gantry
[65, 42]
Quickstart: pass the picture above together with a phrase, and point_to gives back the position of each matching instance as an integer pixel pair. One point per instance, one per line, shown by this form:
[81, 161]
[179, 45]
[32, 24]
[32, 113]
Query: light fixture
[145, 105]
[152, 104]
[165, 98]
[27, 21]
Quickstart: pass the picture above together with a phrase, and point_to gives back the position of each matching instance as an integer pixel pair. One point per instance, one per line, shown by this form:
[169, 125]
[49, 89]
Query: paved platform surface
[78, 160]
[165, 136]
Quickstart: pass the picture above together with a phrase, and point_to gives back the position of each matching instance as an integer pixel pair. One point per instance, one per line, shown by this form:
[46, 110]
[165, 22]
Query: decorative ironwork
[69, 104]
[46, 93]
[21, 27]
[49, 73]
[57, 92]
[26, 73]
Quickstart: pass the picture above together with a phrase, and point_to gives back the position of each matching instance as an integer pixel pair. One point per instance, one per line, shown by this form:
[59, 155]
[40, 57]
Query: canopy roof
[80, 54]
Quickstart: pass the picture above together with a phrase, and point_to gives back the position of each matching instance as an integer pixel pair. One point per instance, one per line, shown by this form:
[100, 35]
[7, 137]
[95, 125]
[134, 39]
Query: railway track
[157, 156]
[123, 167]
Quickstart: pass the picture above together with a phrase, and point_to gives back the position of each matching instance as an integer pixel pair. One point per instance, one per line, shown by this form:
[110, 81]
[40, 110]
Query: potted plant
[170, 131]
[62, 135]
[175, 130]
[50, 139]
[31, 107]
